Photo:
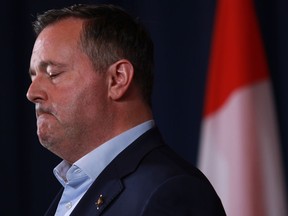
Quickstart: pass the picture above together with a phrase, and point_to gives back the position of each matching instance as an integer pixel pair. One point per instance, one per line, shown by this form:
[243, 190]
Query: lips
[44, 120]
[41, 111]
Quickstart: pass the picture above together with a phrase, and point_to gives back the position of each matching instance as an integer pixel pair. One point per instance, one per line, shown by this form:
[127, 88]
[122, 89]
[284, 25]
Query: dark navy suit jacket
[148, 179]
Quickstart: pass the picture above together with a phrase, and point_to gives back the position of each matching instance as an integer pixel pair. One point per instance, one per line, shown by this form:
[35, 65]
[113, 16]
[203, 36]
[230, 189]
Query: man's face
[70, 97]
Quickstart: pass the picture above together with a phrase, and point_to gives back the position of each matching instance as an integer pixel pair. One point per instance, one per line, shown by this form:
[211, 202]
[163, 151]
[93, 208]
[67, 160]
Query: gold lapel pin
[100, 201]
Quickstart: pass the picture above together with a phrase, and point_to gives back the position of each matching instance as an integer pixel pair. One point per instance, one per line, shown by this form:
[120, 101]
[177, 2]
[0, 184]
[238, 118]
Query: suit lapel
[99, 196]
[109, 183]
[52, 208]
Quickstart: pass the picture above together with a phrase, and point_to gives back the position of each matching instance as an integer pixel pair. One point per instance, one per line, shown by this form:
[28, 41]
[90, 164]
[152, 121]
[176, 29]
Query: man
[91, 71]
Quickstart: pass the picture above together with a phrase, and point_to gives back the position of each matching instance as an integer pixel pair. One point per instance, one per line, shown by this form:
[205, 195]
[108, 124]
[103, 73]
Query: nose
[36, 91]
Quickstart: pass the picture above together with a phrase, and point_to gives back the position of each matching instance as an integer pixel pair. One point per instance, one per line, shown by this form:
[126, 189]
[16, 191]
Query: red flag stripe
[236, 47]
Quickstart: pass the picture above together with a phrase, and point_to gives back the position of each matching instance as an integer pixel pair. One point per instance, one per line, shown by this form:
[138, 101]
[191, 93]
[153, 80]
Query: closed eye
[53, 74]
[32, 74]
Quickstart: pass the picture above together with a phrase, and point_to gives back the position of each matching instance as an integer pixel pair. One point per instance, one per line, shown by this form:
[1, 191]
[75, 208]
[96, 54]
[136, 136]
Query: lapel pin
[100, 201]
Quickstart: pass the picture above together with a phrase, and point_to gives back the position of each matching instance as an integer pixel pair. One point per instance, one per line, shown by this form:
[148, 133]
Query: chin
[47, 142]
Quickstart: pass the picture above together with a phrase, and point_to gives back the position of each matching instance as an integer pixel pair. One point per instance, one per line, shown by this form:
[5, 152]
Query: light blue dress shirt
[78, 177]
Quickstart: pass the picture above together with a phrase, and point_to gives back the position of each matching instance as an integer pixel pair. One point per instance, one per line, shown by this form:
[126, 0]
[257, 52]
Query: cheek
[83, 105]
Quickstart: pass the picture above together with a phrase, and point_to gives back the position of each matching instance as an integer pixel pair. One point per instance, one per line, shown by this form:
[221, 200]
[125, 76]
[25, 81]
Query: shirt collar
[93, 163]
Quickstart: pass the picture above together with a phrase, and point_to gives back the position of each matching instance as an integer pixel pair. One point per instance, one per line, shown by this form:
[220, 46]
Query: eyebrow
[44, 64]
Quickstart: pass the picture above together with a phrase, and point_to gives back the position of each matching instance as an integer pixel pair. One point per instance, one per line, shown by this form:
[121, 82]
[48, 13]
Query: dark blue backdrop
[182, 34]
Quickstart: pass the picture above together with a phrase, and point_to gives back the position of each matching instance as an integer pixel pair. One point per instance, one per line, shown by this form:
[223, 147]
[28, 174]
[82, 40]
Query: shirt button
[77, 171]
[69, 205]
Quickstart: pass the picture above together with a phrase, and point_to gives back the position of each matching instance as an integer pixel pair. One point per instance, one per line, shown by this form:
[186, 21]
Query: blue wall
[182, 35]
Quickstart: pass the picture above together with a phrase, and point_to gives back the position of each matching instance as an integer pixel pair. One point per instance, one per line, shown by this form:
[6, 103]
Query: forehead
[67, 30]
[57, 42]
[70, 26]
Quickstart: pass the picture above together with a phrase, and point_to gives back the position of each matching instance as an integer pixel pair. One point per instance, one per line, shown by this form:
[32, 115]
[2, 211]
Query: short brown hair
[109, 34]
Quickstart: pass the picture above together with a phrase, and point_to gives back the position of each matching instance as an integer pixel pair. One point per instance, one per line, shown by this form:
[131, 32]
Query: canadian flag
[239, 145]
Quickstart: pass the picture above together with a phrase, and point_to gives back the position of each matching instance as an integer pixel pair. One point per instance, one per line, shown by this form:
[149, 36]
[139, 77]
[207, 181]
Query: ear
[119, 78]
